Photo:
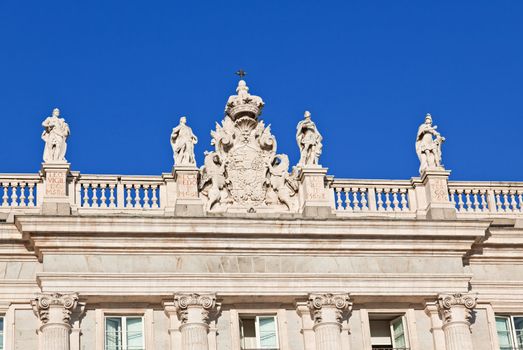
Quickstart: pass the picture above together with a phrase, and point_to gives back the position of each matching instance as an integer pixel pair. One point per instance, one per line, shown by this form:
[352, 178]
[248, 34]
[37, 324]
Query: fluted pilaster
[456, 312]
[54, 311]
[328, 311]
[194, 311]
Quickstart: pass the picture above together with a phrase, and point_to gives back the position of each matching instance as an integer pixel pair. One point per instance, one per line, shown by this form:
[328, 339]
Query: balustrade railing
[19, 190]
[379, 196]
[124, 192]
[486, 197]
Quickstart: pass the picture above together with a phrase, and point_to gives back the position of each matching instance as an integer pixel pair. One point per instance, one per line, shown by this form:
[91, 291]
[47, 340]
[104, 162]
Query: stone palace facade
[247, 252]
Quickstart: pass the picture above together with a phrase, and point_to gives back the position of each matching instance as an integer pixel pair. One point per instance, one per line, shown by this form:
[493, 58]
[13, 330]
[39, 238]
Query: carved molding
[207, 303]
[340, 303]
[448, 302]
[43, 302]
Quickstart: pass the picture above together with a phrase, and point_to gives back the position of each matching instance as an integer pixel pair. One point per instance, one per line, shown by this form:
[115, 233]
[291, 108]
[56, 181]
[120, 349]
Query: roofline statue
[55, 134]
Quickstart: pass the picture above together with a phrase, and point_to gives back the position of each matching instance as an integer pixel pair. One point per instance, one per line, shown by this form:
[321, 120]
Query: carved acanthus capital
[203, 304]
[64, 303]
[329, 307]
[456, 307]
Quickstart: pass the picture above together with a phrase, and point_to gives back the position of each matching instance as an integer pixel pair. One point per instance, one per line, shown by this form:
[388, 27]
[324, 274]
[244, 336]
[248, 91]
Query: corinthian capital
[456, 307]
[64, 304]
[203, 303]
[329, 307]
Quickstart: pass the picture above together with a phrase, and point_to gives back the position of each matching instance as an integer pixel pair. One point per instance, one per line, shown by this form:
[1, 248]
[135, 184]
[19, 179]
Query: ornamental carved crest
[244, 172]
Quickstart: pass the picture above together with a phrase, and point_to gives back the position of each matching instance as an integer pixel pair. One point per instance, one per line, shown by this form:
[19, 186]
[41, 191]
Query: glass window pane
[1, 333]
[518, 325]
[398, 333]
[267, 328]
[134, 333]
[503, 329]
[113, 333]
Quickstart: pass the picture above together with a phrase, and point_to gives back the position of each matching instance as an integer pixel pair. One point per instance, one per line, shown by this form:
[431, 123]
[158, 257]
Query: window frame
[123, 331]
[512, 330]
[2, 332]
[410, 329]
[257, 328]
[148, 324]
[278, 313]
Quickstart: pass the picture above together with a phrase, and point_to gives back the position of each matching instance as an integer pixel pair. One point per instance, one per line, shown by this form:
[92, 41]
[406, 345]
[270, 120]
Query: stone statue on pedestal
[182, 142]
[55, 134]
[428, 146]
[309, 140]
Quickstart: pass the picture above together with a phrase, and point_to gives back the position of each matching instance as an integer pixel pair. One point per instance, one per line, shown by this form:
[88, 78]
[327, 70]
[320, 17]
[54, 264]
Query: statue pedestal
[56, 200]
[438, 205]
[316, 200]
[188, 201]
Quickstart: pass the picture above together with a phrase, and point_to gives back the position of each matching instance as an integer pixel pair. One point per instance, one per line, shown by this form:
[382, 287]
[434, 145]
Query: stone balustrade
[350, 197]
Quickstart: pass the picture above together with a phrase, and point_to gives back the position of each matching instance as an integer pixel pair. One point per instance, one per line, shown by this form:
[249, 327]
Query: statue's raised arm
[428, 146]
[55, 134]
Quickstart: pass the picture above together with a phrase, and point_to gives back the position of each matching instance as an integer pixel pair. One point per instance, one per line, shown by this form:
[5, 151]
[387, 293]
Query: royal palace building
[248, 252]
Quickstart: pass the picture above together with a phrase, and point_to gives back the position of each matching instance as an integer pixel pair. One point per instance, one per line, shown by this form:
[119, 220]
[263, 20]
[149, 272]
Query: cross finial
[241, 73]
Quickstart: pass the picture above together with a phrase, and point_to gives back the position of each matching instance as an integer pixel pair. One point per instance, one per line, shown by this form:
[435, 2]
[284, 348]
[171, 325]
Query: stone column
[456, 311]
[328, 311]
[54, 311]
[188, 202]
[194, 311]
[56, 199]
[316, 199]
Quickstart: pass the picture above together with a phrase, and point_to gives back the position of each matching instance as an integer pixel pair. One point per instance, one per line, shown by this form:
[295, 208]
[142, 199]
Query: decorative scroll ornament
[319, 302]
[44, 302]
[428, 146]
[182, 142]
[244, 170]
[55, 134]
[447, 302]
[183, 302]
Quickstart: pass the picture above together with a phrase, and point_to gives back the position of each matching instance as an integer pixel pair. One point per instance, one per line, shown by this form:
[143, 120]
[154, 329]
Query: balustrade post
[188, 201]
[56, 190]
[314, 194]
[456, 312]
[194, 311]
[438, 204]
[328, 311]
[54, 311]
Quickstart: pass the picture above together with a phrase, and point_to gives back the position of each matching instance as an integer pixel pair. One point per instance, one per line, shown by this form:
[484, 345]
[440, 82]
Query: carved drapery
[456, 313]
[54, 311]
[328, 311]
[194, 311]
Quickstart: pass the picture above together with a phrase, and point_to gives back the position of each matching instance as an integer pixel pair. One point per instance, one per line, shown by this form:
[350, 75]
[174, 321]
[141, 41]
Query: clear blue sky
[123, 72]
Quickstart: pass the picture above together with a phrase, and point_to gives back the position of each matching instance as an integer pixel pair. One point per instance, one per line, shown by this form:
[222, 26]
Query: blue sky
[123, 72]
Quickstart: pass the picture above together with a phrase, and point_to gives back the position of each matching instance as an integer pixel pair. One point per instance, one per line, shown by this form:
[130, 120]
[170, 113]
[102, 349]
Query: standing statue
[309, 141]
[428, 145]
[182, 142]
[55, 134]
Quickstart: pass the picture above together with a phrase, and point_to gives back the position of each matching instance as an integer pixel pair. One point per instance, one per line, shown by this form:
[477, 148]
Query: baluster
[137, 201]
[468, 202]
[146, 203]
[31, 196]
[380, 201]
[452, 195]
[498, 201]
[338, 198]
[520, 197]
[364, 194]
[154, 199]
[483, 201]
[348, 205]
[404, 203]
[103, 198]
[111, 196]
[85, 188]
[506, 203]
[5, 203]
[355, 201]
[386, 192]
[460, 200]
[395, 201]
[22, 194]
[94, 198]
[14, 196]
[513, 202]
[128, 199]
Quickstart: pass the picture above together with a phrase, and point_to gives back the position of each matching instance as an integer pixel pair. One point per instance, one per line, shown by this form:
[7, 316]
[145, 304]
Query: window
[510, 332]
[258, 332]
[124, 333]
[388, 332]
[1, 333]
